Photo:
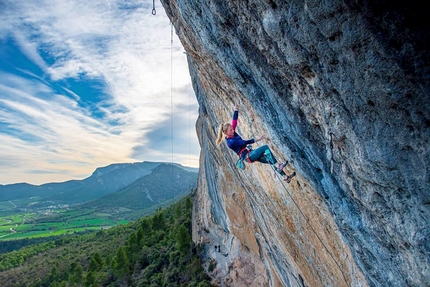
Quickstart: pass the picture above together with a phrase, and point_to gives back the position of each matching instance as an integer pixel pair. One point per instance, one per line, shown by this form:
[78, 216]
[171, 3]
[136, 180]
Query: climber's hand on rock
[260, 138]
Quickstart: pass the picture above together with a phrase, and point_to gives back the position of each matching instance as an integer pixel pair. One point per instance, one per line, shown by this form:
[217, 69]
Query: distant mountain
[103, 181]
[25, 190]
[166, 182]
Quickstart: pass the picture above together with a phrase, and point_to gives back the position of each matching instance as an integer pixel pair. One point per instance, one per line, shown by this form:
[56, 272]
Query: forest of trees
[154, 251]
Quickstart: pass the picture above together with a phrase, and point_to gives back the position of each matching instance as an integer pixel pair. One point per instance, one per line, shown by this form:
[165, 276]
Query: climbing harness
[244, 153]
[240, 163]
[244, 156]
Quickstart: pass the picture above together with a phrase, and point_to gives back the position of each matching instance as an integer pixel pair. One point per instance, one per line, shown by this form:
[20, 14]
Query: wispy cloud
[92, 85]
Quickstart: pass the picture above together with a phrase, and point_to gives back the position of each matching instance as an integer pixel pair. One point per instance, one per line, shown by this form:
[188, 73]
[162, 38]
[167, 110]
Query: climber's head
[228, 130]
[225, 129]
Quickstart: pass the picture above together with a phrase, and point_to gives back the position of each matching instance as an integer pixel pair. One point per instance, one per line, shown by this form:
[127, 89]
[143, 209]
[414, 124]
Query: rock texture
[343, 92]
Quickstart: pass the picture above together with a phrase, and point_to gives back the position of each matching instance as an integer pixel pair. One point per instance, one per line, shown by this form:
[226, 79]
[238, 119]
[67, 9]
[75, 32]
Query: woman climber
[241, 148]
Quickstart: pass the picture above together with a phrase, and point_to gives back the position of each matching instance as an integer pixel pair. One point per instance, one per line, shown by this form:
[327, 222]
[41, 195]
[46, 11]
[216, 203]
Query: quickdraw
[154, 12]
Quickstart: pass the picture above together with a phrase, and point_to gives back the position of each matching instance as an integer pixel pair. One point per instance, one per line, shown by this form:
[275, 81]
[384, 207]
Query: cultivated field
[19, 224]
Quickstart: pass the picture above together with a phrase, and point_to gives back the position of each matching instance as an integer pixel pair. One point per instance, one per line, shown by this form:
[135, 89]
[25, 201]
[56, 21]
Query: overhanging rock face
[342, 91]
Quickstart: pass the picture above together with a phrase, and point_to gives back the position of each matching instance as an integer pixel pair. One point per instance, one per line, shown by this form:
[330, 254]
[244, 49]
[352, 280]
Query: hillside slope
[165, 183]
[154, 251]
[341, 89]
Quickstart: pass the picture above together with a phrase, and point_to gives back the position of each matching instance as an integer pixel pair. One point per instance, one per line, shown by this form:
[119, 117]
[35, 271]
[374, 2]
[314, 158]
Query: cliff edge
[342, 92]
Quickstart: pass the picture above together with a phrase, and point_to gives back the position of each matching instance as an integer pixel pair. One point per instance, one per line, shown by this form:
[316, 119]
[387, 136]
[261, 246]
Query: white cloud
[30, 49]
[127, 48]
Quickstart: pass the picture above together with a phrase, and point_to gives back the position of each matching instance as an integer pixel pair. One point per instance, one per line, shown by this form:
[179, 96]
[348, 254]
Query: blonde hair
[222, 129]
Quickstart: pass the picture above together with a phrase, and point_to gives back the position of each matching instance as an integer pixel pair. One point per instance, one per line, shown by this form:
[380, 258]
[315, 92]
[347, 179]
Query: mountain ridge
[102, 181]
[165, 184]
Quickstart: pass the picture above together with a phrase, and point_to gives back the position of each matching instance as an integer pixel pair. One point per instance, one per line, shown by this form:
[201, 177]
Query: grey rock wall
[343, 92]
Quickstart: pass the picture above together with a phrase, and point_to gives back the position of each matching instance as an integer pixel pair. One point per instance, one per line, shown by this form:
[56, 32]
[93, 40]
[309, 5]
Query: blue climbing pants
[260, 155]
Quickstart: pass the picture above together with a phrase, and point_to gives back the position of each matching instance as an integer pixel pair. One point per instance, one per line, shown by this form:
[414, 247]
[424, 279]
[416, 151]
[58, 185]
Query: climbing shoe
[288, 178]
[280, 166]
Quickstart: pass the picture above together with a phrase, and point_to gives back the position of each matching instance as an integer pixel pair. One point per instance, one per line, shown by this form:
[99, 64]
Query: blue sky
[84, 84]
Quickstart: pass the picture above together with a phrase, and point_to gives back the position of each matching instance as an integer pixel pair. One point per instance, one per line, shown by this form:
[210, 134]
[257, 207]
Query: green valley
[155, 250]
[118, 194]
[125, 225]
[53, 223]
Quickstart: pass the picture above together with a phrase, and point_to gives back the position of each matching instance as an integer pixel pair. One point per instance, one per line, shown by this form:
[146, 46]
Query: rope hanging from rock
[171, 85]
[310, 225]
[153, 8]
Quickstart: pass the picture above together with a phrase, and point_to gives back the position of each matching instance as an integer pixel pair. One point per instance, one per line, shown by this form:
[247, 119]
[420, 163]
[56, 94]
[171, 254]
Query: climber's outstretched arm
[235, 117]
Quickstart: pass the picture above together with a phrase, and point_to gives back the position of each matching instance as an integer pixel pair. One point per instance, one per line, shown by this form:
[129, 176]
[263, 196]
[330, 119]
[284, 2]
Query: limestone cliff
[342, 91]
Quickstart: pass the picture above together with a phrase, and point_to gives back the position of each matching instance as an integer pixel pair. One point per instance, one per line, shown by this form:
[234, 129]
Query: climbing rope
[295, 203]
[154, 12]
[309, 223]
[171, 97]
[171, 85]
